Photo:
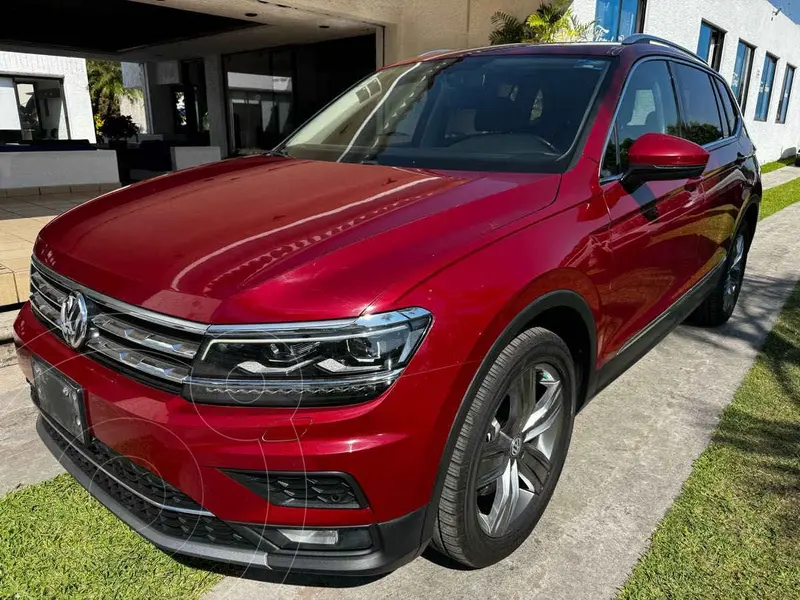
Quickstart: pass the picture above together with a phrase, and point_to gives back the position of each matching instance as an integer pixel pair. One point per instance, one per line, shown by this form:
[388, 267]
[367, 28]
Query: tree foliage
[550, 23]
[106, 87]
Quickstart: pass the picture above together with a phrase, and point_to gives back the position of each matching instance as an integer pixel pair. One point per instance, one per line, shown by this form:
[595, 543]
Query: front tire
[510, 451]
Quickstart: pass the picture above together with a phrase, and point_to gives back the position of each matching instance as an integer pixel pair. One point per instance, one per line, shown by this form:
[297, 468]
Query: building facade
[751, 43]
[44, 98]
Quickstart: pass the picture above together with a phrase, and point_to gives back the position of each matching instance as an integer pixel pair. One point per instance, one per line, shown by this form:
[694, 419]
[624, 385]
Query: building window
[709, 48]
[741, 73]
[32, 109]
[617, 19]
[786, 94]
[765, 89]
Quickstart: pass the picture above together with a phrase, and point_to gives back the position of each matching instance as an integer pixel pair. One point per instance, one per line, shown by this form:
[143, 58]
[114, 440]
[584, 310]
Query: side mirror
[662, 157]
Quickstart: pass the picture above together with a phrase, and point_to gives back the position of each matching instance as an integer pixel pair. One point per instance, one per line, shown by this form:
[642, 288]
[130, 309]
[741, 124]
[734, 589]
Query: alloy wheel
[516, 460]
[733, 279]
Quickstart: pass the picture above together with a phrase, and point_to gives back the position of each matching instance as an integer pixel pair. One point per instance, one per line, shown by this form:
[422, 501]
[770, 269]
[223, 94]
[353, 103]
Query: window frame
[34, 81]
[641, 11]
[716, 59]
[785, 100]
[744, 89]
[732, 135]
[773, 60]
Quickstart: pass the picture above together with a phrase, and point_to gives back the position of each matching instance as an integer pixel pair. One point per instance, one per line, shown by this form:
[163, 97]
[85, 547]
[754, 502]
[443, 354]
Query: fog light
[317, 537]
[299, 539]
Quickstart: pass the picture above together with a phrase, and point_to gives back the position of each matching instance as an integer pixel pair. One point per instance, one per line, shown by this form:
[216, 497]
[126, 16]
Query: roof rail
[644, 38]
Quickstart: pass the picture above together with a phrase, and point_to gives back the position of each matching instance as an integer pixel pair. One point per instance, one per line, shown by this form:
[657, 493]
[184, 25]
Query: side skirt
[658, 329]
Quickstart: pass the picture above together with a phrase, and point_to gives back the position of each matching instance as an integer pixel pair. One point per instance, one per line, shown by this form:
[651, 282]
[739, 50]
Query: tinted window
[786, 94]
[492, 113]
[647, 106]
[727, 105]
[701, 120]
[765, 89]
[740, 84]
[709, 46]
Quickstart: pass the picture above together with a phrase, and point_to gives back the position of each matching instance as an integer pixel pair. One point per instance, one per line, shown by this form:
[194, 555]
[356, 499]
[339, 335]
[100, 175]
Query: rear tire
[719, 305]
[510, 451]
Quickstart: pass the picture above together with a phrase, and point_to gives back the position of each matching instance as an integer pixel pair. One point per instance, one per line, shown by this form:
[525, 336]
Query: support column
[215, 96]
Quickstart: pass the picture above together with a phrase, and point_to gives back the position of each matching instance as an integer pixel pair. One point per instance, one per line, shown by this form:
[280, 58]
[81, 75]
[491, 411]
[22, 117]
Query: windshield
[488, 113]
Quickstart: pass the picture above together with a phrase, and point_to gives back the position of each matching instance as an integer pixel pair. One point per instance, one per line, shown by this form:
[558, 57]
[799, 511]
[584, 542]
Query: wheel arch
[563, 311]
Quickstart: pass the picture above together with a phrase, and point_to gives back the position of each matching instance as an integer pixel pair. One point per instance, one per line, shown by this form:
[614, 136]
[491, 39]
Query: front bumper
[394, 543]
[390, 447]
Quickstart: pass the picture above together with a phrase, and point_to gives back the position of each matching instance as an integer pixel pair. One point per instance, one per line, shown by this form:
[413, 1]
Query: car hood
[265, 238]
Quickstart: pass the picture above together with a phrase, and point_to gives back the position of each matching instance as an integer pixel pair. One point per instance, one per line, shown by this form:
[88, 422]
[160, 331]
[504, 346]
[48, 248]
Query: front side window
[647, 106]
[492, 113]
[741, 73]
[617, 19]
[765, 89]
[786, 94]
[709, 47]
[701, 119]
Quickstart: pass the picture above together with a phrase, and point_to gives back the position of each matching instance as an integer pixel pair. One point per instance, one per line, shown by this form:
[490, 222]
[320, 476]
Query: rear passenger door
[653, 228]
[706, 120]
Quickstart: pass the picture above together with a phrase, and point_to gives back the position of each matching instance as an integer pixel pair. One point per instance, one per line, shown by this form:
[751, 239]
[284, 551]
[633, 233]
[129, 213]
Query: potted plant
[116, 130]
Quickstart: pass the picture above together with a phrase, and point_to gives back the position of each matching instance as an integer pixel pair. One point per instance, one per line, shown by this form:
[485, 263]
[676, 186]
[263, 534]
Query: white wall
[76, 85]
[753, 21]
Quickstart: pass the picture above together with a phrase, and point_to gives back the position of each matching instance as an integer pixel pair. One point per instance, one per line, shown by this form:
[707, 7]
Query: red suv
[378, 335]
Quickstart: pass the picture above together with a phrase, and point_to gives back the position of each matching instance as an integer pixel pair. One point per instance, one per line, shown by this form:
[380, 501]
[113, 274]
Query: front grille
[145, 495]
[153, 349]
[303, 490]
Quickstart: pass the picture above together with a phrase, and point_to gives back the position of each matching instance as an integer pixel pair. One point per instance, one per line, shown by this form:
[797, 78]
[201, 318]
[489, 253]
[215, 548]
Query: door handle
[740, 158]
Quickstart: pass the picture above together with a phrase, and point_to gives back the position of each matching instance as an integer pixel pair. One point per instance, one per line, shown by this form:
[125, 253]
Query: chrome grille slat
[157, 347]
[49, 292]
[45, 310]
[141, 362]
[144, 337]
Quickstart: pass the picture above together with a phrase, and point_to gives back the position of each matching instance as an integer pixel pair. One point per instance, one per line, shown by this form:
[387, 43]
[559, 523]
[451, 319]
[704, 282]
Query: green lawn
[58, 542]
[780, 197]
[734, 531]
[778, 164]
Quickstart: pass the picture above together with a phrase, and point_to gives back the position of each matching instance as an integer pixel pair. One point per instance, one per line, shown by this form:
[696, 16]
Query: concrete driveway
[633, 448]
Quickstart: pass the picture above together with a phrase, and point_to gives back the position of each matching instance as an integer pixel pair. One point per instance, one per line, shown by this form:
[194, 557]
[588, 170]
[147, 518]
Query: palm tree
[106, 87]
[555, 22]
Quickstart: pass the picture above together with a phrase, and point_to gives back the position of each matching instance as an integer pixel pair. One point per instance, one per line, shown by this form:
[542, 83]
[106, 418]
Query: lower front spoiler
[395, 542]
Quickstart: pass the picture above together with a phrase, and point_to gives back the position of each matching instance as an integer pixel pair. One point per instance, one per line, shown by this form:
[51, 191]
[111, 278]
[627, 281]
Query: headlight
[306, 364]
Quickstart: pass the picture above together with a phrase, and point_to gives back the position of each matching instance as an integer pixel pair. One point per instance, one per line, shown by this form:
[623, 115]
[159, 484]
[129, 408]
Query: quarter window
[765, 89]
[648, 106]
[786, 94]
[741, 73]
[617, 19]
[709, 47]
[701, 120]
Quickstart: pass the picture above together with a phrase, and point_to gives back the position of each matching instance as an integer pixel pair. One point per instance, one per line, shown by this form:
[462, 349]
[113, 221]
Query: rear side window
[647, 106]
[701, 119]
[727, 104]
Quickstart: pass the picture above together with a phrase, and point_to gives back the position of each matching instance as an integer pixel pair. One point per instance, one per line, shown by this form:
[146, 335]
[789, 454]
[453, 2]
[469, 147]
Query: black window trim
[734, 135]
[723, 34]
[783, 91]
[771, 87]
[749, 79]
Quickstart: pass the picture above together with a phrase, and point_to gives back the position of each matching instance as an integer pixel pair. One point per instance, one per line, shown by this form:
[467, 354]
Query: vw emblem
[74, 319]
[516, 446]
